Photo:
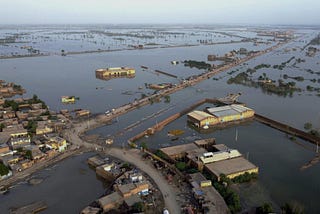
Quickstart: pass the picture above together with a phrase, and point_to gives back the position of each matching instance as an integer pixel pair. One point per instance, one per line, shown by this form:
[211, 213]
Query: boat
[68, 99]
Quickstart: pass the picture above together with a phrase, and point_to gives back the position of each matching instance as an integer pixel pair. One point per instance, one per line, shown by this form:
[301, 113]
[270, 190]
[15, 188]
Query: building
[105, 73]
[82, 113]
[43, 128]
[231, 168]
[108, 171]
[180, 151]
[210, 157]
[57, 143]
[18, 136]
[201, 119]
[127, 190]
[110, 201]
[230, 113]
[95, 161]
[4, 148]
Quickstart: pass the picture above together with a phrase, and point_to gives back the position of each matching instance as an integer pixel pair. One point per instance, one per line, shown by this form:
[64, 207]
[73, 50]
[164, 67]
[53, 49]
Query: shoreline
[115, 50]
[25, 174]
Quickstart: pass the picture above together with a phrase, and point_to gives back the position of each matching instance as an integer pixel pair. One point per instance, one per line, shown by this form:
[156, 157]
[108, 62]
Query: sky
[304, 12]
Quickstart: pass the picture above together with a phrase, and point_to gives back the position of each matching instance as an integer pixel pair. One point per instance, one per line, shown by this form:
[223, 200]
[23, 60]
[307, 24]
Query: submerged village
[199, 176]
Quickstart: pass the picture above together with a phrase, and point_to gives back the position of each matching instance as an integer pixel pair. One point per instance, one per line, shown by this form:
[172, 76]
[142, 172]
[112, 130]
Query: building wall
[233, 175]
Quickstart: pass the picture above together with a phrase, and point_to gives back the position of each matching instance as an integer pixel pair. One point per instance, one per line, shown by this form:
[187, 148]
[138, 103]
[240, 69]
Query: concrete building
[57, 143]
[43, 127]
[231, 168]
[105, 73]
[180, 151]
[110, 201]
[201, 119]
[95, 161]
[231, 113]
[210, 157]
[130, 189]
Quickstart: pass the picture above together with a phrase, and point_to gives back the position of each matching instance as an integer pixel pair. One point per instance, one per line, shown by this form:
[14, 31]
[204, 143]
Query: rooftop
[199, 115]
[112, 198]
[228, 110]
[230, 166]
[175, 150]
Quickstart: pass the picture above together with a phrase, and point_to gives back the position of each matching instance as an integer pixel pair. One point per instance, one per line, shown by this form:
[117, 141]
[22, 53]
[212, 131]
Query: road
[133, 156]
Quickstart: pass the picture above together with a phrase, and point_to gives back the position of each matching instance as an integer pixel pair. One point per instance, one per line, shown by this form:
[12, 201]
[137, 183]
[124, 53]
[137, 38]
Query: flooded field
[51, 77]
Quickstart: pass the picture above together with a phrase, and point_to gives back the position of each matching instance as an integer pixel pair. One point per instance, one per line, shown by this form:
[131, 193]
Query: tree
[167, 99]
[28, 155]
[2, 126]
[32, 126]
[4, 170]
[264, 209]
[181, 166]
[144, 145]
[139, 207]
[308, 126]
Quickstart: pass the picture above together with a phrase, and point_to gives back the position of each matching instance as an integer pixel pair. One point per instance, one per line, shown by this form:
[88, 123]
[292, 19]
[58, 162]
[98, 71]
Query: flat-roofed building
[180, 151]
[210, 157]
[43, 128]
[130, 189]
[231, 168]
[230, 113]
[110, 201]
[201, 119]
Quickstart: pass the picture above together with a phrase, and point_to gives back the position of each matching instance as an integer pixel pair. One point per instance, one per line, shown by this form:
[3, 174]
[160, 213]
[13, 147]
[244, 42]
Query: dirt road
[132, 156]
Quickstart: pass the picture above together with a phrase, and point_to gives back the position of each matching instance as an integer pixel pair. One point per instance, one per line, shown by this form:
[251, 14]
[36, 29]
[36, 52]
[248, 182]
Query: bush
[264, 209]
[246, 177]
[4, 170]
[138, 207]
[181, 166]
[308, 126]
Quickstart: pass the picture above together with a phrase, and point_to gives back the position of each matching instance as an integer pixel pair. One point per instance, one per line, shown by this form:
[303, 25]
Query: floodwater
[278, 158]
[68, 187]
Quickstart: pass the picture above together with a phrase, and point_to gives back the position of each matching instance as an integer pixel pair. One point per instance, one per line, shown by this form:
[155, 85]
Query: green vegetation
[138, 207]
[4, 170]
[17, 87]
[15, 106]
[283, 64]
[2, 126]
[308, 126]
[126, 166]
[36, 100]
[262, 66]
[266, 85]
[167, 99]
[181, 166]
[32, 126]
[231, 198]
[160, 154]
[292, 208]
[246, 177]
[196, 64]
[266, 208]
[28, 155]
[11, 103]
[144, 145]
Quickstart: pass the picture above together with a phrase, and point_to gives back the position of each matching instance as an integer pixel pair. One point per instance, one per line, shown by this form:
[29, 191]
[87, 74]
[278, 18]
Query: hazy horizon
[233, 12]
